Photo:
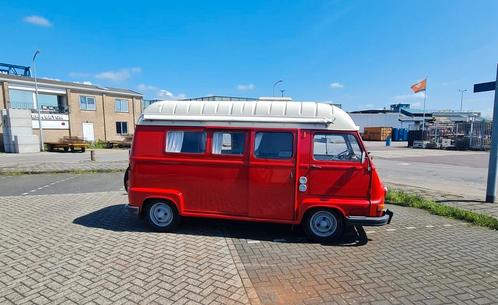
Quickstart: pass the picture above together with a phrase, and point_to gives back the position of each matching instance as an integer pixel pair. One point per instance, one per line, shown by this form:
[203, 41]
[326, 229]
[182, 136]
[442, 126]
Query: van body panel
[248, 187]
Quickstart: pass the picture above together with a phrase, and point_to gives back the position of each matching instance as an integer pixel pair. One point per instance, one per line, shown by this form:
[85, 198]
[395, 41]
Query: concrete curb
[62, 171]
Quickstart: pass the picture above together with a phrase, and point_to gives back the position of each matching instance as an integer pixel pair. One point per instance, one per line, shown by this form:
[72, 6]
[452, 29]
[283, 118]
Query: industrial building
[71, 109]
[402, 116]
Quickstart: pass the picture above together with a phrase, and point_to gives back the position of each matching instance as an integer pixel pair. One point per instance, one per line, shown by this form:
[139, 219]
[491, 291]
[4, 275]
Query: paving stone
[86, 249]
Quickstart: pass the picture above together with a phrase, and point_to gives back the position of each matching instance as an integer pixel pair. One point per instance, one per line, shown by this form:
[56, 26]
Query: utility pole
[493, 154]
[37, 100]
[461, 98]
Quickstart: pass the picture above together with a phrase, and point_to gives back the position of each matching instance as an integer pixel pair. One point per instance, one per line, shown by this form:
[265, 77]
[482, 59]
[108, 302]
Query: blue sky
[362, 54]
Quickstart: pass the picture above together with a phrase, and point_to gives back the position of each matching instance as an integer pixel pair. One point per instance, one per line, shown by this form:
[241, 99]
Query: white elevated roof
[271, 114]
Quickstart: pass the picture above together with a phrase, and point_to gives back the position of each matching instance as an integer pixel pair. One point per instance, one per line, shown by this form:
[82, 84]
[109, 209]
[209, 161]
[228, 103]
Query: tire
[125, 178]
[161, 216]
[83, 149]
[323, 225]
[66, 149]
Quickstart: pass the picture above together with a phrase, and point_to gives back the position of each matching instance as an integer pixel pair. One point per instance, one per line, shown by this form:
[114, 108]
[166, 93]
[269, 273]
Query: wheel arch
[305, 211]
[150, 200]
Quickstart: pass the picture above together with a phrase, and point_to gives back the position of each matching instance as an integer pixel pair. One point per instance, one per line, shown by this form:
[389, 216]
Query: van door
[229, 174]
[336, 171]
[272, 173]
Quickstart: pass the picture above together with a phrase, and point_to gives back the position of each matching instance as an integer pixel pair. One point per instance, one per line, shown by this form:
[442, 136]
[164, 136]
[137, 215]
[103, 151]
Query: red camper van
[272, 161]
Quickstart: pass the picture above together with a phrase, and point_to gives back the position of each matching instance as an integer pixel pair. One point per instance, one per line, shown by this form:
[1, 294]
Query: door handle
[315, 166]
[291, 176]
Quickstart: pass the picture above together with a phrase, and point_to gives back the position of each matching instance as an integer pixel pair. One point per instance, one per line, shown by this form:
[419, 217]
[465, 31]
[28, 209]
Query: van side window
[228, 143]
[336, 147]
[273, 145]
[186, 141]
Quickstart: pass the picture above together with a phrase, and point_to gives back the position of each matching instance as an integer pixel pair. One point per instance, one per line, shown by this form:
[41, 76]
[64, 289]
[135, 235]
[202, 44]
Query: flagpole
[423, 114]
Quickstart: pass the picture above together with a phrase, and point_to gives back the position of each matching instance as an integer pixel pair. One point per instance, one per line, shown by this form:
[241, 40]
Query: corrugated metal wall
[379, 120]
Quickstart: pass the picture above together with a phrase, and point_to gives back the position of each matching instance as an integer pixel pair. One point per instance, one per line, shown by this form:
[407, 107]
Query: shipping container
[377, 133]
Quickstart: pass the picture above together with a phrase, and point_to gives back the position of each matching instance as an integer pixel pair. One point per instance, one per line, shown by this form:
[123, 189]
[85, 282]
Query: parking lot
[78, 244]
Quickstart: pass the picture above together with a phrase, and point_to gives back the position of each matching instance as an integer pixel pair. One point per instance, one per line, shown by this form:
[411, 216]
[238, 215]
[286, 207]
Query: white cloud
[163, 94]
[415, 99]
[50, 78]
[336, 85]
[37, 20]
[160, 94]
[79, 74]
[86, 83]
[407, 98]
[145, 87]
[118, 75]
[366, 106]
[245, 87]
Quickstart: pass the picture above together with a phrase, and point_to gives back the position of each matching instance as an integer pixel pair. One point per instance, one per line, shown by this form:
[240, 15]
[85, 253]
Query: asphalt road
[44, 184]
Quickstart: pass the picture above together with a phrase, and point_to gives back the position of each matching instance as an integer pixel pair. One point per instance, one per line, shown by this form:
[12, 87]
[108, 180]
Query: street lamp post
[461, 98]
[275, 84]
[37, 101]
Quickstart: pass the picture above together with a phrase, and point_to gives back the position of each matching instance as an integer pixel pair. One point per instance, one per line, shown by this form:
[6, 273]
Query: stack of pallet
[376, 133]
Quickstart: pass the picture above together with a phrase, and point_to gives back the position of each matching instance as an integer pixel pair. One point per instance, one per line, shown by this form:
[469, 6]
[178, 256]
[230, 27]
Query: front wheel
[162, 216]
[323, 226]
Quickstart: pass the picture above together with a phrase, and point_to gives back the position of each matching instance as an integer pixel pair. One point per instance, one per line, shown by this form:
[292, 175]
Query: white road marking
[447, 225]
[25, 193]
[369, 232]
[429, 226]
[253, 241]
[390, 230]
[410, 228]
[405, 163]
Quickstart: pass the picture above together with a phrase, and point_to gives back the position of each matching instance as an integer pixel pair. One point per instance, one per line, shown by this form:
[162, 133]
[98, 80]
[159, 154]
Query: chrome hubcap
[323, 223]
[161, 214]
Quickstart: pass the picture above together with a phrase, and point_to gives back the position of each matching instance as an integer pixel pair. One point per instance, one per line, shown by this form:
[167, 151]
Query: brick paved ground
[85, 248]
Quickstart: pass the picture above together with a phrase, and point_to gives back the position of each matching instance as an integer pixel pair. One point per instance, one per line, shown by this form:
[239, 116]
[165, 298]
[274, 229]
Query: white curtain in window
[174, 141]
[257, 140]
[217, 142]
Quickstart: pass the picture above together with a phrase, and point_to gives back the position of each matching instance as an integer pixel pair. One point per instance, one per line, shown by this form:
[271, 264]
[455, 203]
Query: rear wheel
[323, 225]
[125, 178]
[162, 216]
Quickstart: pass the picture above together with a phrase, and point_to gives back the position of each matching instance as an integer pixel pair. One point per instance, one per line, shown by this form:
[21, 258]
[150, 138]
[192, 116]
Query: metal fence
[462, 135]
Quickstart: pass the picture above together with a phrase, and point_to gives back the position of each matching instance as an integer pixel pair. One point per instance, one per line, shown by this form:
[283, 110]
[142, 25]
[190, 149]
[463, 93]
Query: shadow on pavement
[117, 218]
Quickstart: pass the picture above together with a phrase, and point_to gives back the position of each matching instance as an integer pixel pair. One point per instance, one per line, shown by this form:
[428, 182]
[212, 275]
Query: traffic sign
[483, 87]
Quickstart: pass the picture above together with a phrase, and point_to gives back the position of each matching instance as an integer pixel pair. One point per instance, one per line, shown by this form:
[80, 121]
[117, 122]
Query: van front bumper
[371, 221]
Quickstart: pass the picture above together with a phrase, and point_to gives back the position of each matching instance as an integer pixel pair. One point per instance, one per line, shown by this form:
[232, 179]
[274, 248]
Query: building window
[273, 145]
[122, 128]
[228, 143]
[186, 142]
[87, 102]
[21, 99]
[121, 105]
[336, 147]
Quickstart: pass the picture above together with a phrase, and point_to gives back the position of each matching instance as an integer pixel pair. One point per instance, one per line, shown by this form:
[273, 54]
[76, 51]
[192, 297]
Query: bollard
[388, 141]
[92, 155]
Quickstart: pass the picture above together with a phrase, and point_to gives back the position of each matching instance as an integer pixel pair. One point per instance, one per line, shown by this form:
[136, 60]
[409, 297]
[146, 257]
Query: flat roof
[271, 114]
[69, 85]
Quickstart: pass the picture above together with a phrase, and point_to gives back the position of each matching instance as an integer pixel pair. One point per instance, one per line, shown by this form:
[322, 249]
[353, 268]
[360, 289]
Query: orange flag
[420, 86]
